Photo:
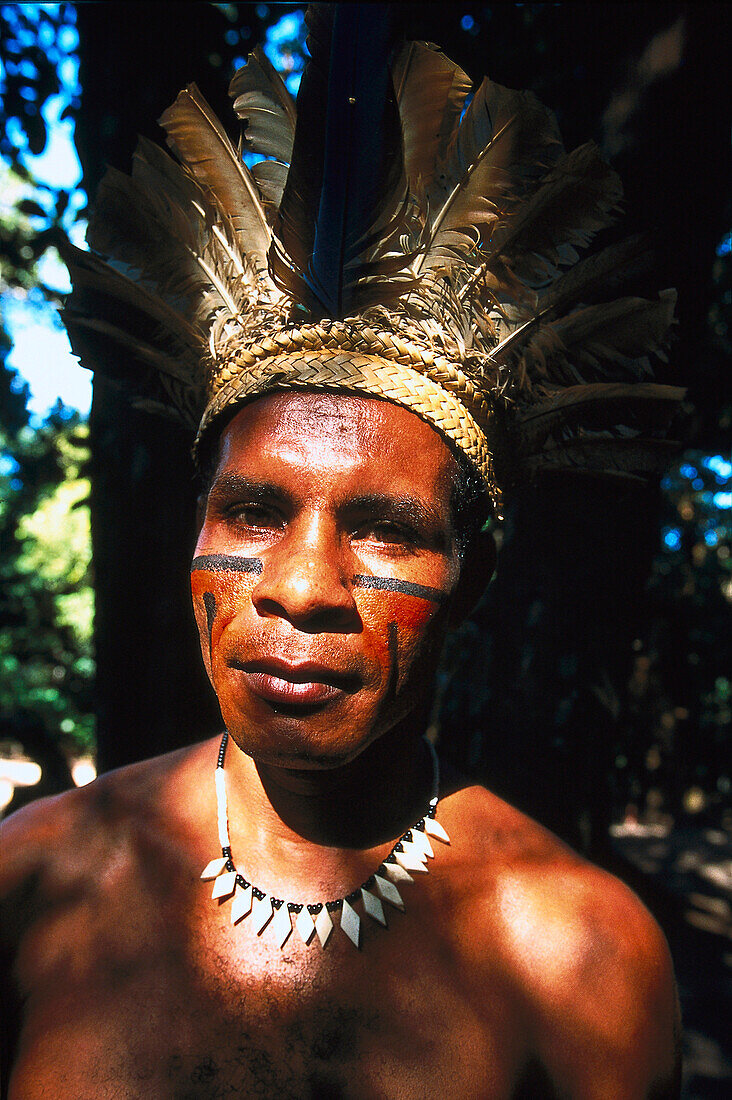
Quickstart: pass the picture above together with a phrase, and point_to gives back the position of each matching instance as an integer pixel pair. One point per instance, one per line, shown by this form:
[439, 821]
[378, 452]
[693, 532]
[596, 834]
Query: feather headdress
[400, 239]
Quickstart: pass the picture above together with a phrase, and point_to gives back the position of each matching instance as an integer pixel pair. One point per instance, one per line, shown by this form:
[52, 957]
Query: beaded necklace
[315, 919]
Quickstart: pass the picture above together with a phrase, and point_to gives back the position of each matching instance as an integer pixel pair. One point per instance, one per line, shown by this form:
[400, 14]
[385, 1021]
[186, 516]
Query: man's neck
[311, 830]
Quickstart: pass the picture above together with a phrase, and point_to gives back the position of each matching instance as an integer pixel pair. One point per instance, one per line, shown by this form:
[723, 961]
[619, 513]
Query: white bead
[214, 868]
[389, 892]
[261, 913]
[221, 816]
[282, 925]
[351, 923]
[323, 926]
[305, 925]
[373, 907]
[396, 873]
[224, 885]
[241, 905]
[435, 829]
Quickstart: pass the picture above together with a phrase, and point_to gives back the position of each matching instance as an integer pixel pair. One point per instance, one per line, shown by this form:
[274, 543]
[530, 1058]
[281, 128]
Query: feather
[588, 280]
[196, 136]
[263, 102]
[430, 92]
[608, 457]
[577, 198]
[271, 177]
[361, 205]
[295, 224]
[92, 275]
[504, 139]
[600, 404]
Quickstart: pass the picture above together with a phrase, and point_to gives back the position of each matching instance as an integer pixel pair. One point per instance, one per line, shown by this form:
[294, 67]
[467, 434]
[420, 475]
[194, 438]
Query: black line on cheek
[209, 602]
[393, 642]
[226, 563]
[391, 584]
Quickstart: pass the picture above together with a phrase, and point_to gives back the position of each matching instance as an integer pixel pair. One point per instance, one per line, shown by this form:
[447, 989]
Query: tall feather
[505, 139]
[430, 91]
[262, 101]
[196, 136]
[362, 191]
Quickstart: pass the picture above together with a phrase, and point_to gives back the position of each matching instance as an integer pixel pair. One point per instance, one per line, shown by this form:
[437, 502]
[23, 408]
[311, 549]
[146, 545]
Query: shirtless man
[515, 969]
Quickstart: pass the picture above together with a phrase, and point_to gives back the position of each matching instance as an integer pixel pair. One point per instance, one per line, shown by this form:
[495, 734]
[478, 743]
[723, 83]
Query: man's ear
[477, 568]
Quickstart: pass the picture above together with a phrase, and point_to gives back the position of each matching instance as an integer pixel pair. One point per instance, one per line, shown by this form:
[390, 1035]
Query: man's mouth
[303, 684]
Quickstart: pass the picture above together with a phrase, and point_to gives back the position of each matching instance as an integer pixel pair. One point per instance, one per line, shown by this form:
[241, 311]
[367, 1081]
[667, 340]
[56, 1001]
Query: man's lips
[306, 684]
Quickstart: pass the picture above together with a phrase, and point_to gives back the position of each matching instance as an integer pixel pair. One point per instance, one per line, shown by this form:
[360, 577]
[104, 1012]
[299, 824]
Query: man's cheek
[217, 598]
[397, 629]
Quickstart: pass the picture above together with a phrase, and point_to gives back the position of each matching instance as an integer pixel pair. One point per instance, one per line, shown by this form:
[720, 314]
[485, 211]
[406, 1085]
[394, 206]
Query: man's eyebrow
[410, 510]
[227, 485]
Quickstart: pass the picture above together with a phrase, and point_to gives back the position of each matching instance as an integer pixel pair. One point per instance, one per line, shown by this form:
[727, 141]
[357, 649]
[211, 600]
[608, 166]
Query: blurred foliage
[46, 597]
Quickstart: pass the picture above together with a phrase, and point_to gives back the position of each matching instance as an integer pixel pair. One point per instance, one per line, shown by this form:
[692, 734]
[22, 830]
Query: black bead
[226, 852]
[277, 903]
[332, 905]
[369, 882]
[294, 906]
[397, 848]
[353, 896]
[420, 825]
[240, 882]
[391, 858]
[315, 908]
[259, 894]
[230, 865]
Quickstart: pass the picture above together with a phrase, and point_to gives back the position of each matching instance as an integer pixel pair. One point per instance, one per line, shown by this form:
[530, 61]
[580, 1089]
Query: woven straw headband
[355, 358]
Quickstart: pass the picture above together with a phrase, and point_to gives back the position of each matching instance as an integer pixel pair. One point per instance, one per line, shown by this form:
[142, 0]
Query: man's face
[323, 573]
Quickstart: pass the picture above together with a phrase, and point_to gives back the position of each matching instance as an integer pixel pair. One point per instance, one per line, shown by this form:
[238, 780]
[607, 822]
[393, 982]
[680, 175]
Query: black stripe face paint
[226, 563]
[408, 588]
[209, 602]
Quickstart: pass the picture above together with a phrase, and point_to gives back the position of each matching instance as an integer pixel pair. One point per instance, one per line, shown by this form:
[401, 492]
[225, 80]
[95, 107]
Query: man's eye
[386, 532]
[254, 515]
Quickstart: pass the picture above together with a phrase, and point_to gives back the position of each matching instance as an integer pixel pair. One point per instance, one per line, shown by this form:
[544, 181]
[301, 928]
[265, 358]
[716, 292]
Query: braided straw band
[425, 384]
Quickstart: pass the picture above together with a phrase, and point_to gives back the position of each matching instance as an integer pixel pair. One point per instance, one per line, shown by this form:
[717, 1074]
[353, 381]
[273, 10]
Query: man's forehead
[335, 432]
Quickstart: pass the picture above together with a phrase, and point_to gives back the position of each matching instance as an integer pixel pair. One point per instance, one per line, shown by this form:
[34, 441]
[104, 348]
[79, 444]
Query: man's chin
[299, 747]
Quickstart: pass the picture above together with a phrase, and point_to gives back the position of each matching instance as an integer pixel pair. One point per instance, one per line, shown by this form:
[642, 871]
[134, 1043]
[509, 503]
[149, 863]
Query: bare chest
[194, 1009]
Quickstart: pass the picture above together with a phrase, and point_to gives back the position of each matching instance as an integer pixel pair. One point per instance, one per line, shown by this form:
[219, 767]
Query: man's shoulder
[589, 959]
[62, 836]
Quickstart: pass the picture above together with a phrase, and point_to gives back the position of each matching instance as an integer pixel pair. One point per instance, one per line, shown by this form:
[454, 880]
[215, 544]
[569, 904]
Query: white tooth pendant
[351, 923]
[373, 906]
[389, 892]
[224, 885]
[435, 829]
[410, 859]
[214, 868]
[421, 841]
[409, 855]
[305, 925]
[261, 913]
[397, 873]
[323, 926]
[282, 925]
[241, 905]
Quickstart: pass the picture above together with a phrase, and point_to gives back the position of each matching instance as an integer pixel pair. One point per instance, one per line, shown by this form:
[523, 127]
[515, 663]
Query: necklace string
[408, 856]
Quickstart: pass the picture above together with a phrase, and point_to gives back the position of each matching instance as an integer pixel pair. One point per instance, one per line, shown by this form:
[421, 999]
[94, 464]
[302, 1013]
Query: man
[253, 915]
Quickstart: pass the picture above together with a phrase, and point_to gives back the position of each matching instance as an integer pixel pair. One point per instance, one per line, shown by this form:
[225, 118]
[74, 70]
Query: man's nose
[306, 579]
